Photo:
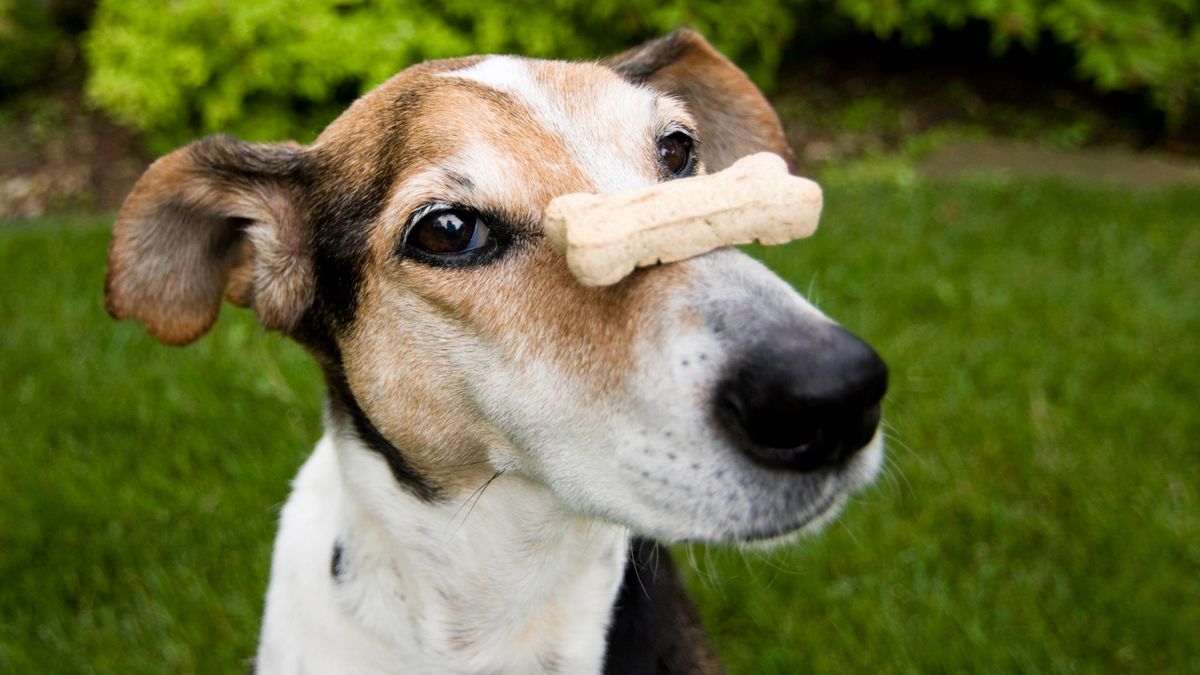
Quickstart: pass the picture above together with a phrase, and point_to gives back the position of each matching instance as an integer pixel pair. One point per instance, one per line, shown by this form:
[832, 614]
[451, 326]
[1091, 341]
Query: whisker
[472, 499]
[637, 573]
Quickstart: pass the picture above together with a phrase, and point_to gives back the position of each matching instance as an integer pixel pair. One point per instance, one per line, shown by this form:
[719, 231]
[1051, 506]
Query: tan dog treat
[605, 236]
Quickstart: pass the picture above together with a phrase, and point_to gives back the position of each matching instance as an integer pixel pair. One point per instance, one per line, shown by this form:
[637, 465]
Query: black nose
[802, 400]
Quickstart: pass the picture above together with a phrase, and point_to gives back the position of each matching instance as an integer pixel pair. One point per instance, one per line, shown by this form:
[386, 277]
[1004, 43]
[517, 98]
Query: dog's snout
[801, 401]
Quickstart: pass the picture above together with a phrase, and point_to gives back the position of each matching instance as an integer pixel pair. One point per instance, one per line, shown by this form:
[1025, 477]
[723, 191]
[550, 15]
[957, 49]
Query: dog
[503, 446]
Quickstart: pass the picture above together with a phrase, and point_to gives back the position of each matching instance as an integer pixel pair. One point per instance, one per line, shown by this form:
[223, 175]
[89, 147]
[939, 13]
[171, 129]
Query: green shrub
[283, 68]
[28, 42]
[1150, 46]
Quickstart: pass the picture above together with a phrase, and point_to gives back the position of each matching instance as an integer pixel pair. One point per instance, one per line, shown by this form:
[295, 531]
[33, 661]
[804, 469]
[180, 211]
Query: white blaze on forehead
[606, 124]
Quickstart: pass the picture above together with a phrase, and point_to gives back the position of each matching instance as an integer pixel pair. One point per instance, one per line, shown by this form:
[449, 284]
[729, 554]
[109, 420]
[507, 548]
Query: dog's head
[699, 400]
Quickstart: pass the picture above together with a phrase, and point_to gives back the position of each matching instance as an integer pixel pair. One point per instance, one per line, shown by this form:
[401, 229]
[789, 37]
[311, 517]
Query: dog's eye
[449, 232]
[675, 153]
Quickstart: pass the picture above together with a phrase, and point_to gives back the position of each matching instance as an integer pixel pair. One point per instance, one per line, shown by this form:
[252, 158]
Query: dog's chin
[824, 513]
[854, 477]
[829, 489]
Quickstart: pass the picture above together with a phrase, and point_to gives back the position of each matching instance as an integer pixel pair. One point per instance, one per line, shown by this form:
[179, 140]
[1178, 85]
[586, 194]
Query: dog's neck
[499, 579]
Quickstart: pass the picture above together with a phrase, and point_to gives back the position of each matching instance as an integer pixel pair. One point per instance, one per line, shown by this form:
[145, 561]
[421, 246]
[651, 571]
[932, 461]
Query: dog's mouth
[844, 481]
[738, 500]
[821, 512]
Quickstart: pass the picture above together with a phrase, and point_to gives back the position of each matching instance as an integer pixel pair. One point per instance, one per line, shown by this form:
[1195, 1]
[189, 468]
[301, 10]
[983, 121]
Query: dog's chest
[531, 618]
[512, 588]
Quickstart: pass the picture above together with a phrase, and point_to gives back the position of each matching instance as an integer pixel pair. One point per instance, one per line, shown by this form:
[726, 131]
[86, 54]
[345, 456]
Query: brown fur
[176, 243]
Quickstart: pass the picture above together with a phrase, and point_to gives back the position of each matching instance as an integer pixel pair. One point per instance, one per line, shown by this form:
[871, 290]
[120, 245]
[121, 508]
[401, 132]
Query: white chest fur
[507, 584]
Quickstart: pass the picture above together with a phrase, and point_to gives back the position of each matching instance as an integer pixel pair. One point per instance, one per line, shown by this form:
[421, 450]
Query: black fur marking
[342, 201]
[655, 628]
[335, 563]
[344, 405]
[340, 217]
[338, 203]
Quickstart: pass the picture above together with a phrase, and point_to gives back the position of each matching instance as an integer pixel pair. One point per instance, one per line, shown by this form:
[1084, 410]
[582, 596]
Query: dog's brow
[605, 123]
[441, 186]
[462, 182]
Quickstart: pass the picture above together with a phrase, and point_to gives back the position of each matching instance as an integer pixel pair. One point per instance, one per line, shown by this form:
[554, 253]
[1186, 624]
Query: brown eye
[449, 232]
[675, 153]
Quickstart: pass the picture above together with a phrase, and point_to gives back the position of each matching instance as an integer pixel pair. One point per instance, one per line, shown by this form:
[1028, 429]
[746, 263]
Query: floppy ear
[217, 215]
[734, 117]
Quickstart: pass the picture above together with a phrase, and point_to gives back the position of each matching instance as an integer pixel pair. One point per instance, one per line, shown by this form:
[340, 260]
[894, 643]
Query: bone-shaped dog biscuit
[605, 236]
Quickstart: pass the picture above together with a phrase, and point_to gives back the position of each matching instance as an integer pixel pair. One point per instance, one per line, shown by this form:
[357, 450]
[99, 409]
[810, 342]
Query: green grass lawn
[1040, 511]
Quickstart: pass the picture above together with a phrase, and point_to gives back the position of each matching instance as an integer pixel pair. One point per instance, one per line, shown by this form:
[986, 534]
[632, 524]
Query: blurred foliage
[282, 68]
[29, 40]
[1120, 45]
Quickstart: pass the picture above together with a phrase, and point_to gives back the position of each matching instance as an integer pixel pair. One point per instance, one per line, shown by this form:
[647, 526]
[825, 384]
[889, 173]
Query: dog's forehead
[603, 124]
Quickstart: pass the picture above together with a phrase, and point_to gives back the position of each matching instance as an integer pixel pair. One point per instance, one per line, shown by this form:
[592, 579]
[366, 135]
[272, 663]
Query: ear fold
[219, 214]
[734, 117]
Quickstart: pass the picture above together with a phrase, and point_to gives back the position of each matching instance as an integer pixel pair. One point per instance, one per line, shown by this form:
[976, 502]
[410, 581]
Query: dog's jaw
[508, 583]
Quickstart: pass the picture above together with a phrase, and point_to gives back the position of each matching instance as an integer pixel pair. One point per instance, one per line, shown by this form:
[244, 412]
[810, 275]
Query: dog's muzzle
[802, 398]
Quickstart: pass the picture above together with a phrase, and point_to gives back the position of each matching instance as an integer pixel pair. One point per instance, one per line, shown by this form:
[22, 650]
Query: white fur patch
[610, 136]
[501, 581]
